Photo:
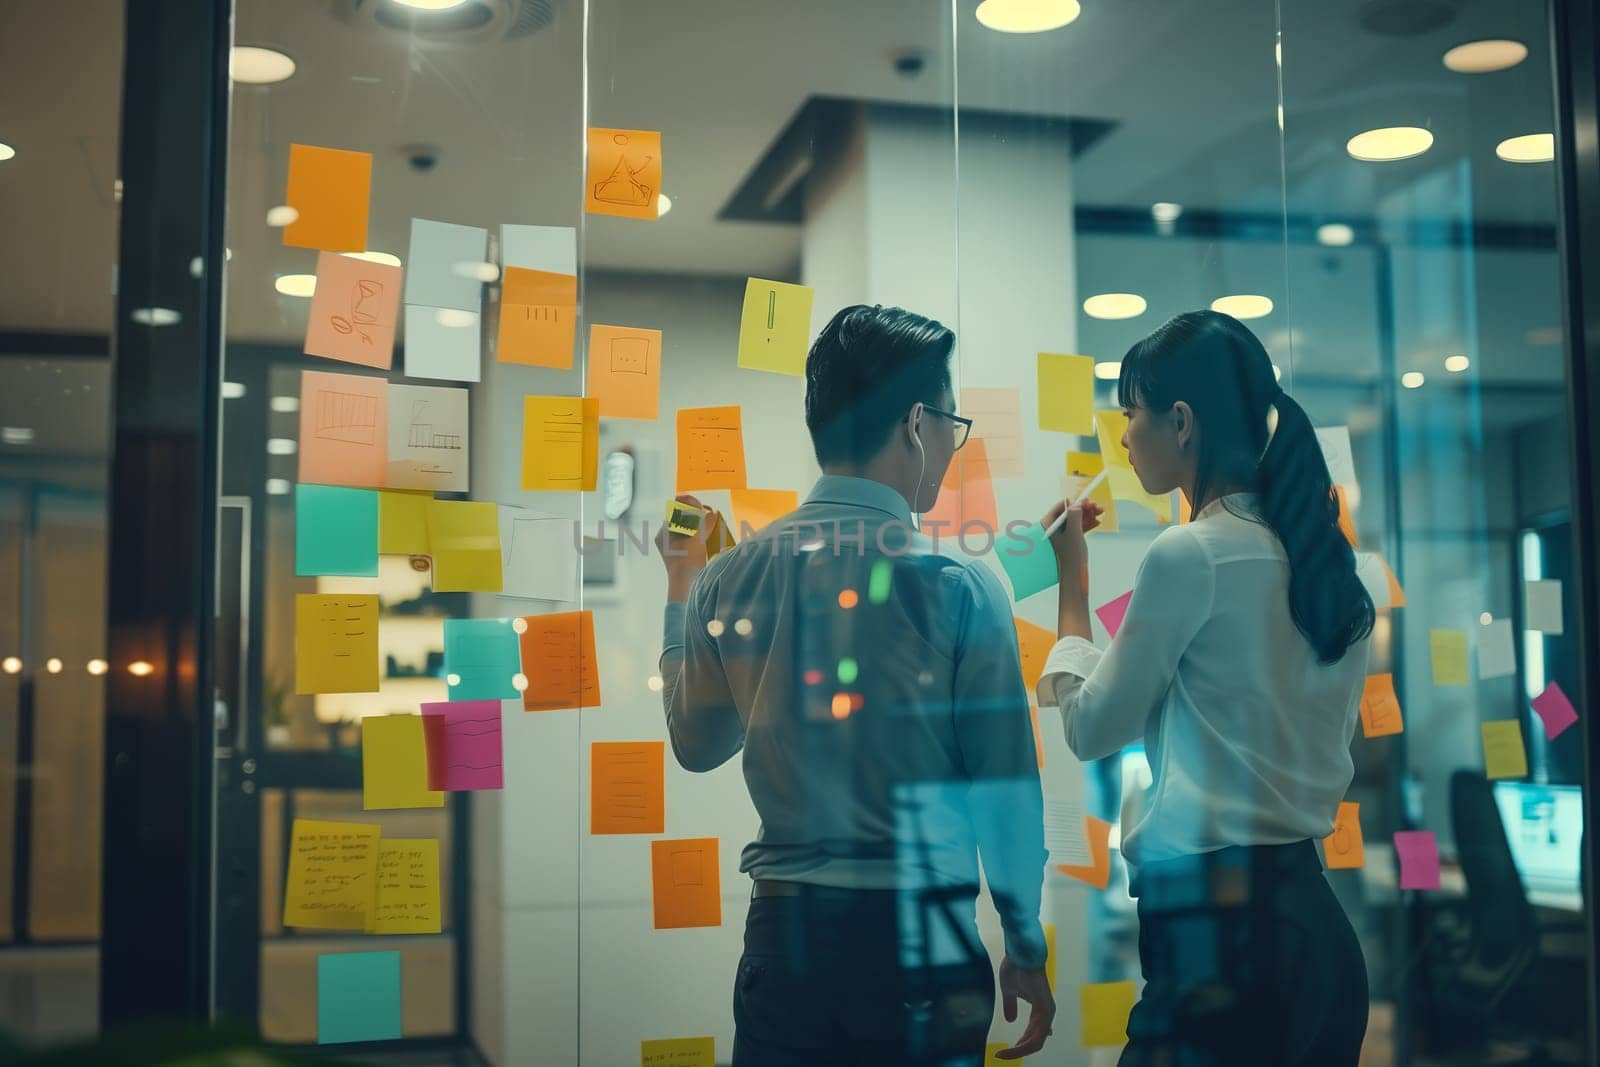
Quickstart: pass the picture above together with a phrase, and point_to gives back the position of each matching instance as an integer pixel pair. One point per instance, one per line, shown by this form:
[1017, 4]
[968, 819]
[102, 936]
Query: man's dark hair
[866, 368]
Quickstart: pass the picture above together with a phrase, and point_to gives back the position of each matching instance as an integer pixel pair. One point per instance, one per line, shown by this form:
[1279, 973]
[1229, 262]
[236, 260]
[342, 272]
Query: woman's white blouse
[1248, 736]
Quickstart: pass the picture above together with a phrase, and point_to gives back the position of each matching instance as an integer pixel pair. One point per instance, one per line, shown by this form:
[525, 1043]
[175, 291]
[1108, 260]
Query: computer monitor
[1544, 826]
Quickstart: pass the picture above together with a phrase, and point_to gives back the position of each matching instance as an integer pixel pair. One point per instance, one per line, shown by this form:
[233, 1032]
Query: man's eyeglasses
[963, 426]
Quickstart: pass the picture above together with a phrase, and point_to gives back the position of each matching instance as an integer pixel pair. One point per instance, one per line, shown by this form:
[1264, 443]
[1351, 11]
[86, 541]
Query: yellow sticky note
[1449, 654]
[678, 1052]
[407, 900]
[1503, 754]
[335, 643]
[330, 190]
[624, 173]
[774, 326]
[759, 508]
[1081, 470]
[996, 416]
[1050, 955]
[560, 442]
[332, 877]
[403, 522]
[1125, 484]
[394, 764]
[1109, 427]
[1106, 1007]
[991, 1057]
[1066, 393]
[464, 536]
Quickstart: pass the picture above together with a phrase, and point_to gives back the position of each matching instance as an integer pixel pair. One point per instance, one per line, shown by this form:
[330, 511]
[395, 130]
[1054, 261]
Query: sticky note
[1097, 872]
[464, 537]
[333, 874]
[774, 326]
[1066, 393]
[1347, 522]
[1497, 649]
[538, 318]
[408, 887]
[1082, 467]
[553, 249]
[1343, 848]
[627, 787]
[719, 536]
[678, 1052]
[443, 343]
[1106, 1007]
[403, 522]
[428, 438]
[1028, 560]
[1503, 754]
[1418, 852]
[481, 659]
[996, 416]
[394, 764]
[625, 371]
[335, 643]
[1554, 710]
[990, 1057]
[710, 449]
[1112, 613]
[1379, 581]
[1110, 425]
[756, 509]
[1541, 606]
[1380, 708]
[558, 658]
[330, 191]
[1038, 738]
[1336, 452]
[358, 997]
[1050, 954]
[444, 265]
[465, 744]
[1034, 643]
[335, 530]
[624, 176]
[344, 428]
[966, 495]
[686, 883]
[537, 555]
[1448, 651]
[354, 311]
[560, 442]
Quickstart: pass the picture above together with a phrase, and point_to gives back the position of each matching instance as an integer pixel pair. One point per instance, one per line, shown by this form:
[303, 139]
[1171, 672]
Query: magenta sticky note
[1112, 614]
[464, 744]
[1418, 851]
[1554, 709]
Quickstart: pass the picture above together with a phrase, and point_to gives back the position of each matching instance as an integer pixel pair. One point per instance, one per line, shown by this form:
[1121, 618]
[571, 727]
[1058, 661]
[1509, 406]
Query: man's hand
[683, 554]
[1033, 987]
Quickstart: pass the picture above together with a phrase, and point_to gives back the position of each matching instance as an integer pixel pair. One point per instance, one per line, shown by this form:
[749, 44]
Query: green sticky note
[335, 531]
[1029, 561]
[358, 997]
[481, 659]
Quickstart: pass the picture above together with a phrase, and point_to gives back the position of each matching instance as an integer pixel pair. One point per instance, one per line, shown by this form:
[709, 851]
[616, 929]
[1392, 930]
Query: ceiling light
[284, 404]
[1482, 57]
[16, 435]
[1108, 370]
[1114, 306]
[1529, 148]
[155, 316]
[1027, 16]
[141, 668]
[258, 66]
[1412, 379]
[1243, 306]
[1389, 143]
[663, 204]
[1335, 234]
[281, 216]
[431, 5]
[232, 390]
[387, 258]
[6, 152]
[1485, 619]
[278, 486]
[96, 666]
[11, 665]
[1456, 364]
[53, 664]
[454, 317]
[1162, 211]
[296, 284]
[281, 446]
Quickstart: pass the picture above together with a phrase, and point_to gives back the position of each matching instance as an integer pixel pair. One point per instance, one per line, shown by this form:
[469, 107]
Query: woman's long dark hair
[1214, 364]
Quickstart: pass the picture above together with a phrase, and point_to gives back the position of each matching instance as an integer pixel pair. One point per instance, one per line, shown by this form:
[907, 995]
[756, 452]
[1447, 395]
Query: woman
[1240, 663]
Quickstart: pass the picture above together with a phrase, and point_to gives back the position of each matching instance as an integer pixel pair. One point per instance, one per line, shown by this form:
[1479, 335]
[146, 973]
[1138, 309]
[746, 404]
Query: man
[875, 689]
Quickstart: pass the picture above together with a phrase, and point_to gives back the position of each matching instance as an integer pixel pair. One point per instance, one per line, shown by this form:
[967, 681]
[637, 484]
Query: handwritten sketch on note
[343, 429]
[624, 173]
[428, 438]
[332, 880]
[686, 883]
[774, 326]
[625, 371]
[710, 449]
[354, 311]
[538, 558]
[559, 660]
[627, 783]
[465, 745]
[481, 659]
[538, 317]
[560, 442]
[407, 899]
[336, 643]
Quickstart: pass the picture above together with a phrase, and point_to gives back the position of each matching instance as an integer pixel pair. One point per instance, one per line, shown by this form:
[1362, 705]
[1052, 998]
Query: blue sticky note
[443, 343]
[548, 248]
[442, 265]
[481, 657]
[358, 997]
[335, 531]
[1030, 564]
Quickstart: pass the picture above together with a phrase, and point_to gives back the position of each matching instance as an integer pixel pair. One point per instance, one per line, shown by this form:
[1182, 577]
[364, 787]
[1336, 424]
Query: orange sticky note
[330, 189]
[1380, 708]
[710, 449]
[538, 318]
[559, 661]
[1397, 596]
[686, 883]
[719, 535]
[1343, 848]
[560, 442]
[1098, 871]
[1081, 470]
[344, 429]
[966, 495]
[1034, 643]
[996, 416]
[1038, 738]
[756, 509]
[353, 311]
[627, 787]
[625, 371]
[1347, 524]
[624, 173]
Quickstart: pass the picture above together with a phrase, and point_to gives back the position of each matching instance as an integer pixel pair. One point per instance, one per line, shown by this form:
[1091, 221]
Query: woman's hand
[1072, 551]
[683, 554]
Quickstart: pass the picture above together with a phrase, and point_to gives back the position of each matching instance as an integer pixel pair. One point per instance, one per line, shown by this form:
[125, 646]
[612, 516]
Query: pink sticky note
[1418, 851]
[1112, 614]
[464, 740]
[1555, 709]
[353, 311]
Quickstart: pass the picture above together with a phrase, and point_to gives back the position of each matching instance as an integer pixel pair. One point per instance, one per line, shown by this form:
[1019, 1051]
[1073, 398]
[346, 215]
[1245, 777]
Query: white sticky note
[1063, 784]
[1497, 650]
[1541, 606]
[1369, 568]
[1064, 833]
[445, 265]
[547, 248]
[538, 557]
[1335, 442]
[443, 343]
[428, 434]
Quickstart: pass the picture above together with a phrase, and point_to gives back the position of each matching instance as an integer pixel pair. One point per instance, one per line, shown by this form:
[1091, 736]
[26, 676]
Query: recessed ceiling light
[1243, 305]
[663, 204]
[1389, 143]
[6, 152]
[388, 258]
[1483, 57]
[11, 665]
[1456, 364]
[1108, 370]
[431, 5]
[1412, 379]
[155, 316]
[1529, 148]
[259, 66]
[281, 446]
[141, 668]
[278, 486]
[454, 317]
[281, 216]
[1027, 16]
[1335, 234]
[96, 666]
[1114, 306]
[53, 664]
[284, 404]
[296, 284]
[232, 390]
[1162, 211]
[16, 435]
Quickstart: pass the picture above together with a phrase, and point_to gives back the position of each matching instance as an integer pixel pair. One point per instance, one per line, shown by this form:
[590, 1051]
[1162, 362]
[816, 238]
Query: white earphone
[922, 461]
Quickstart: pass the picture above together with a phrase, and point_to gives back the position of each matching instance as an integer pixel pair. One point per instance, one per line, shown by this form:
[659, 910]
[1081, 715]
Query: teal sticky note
[481, 657]
[1030, 562]
[335, 531]
[358, 997]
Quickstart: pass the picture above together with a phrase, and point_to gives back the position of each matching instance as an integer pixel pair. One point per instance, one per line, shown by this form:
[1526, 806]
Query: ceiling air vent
[469, 22]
